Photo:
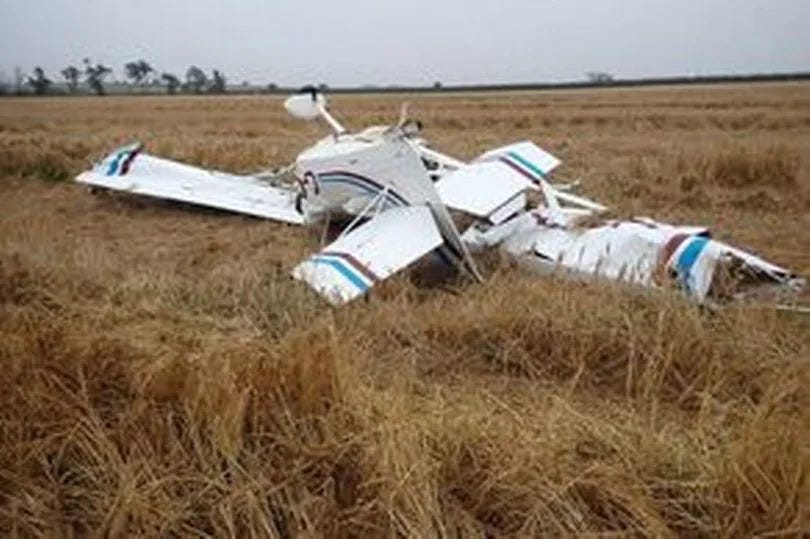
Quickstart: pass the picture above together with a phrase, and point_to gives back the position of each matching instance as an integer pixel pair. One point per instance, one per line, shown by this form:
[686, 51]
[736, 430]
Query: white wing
[129, 170]
[350, 266]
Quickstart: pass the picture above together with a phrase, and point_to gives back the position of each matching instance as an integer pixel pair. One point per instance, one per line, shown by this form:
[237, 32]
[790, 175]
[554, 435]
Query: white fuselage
[340, 173]
[344, 173]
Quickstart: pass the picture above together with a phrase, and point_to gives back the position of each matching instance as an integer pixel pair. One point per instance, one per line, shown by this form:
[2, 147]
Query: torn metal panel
[639, 252]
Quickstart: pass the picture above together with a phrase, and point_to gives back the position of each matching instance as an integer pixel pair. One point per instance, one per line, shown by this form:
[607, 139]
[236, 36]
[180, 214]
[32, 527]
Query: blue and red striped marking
[362, 183]
[346, 264]
[521, 165]
[122, 161]
[689, 249]
[688, 258]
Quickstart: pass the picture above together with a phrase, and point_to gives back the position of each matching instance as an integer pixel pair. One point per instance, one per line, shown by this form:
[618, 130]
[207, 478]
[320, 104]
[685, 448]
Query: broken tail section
[493, 187]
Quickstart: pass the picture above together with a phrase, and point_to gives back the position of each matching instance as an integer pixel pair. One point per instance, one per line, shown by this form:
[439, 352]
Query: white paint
[166, 179]
[384, 245]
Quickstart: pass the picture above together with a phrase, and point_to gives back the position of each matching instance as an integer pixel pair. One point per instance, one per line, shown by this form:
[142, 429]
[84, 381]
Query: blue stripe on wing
[113, 169]
[688, 257]
[343, 269]
[526, 163]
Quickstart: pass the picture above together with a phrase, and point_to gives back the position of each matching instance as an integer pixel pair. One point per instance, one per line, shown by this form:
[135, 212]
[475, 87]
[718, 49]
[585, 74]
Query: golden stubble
[163, 375]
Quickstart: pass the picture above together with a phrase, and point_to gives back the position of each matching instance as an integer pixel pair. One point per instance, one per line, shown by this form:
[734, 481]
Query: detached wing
[129, 170]
[350, 266]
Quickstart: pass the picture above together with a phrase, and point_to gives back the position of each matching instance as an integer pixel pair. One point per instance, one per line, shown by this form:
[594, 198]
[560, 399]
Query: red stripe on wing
[359, 266]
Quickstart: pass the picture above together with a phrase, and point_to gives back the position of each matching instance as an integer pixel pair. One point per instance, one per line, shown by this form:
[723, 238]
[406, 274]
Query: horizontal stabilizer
[481, 188]
[131, 171]
[350, 266]
[490, 187]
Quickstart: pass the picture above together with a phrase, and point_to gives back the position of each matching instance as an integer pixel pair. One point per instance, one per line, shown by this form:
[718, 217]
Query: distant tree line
[139, 74]
[142, 77]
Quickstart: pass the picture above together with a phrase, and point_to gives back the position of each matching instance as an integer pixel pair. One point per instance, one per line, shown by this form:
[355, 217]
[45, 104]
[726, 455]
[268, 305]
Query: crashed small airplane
[401, 197]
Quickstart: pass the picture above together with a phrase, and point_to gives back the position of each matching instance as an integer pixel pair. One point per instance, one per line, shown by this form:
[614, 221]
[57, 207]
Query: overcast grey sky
[353, 42]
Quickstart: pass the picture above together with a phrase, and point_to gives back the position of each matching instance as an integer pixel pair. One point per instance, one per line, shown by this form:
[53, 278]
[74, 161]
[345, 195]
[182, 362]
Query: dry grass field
[162, 375]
